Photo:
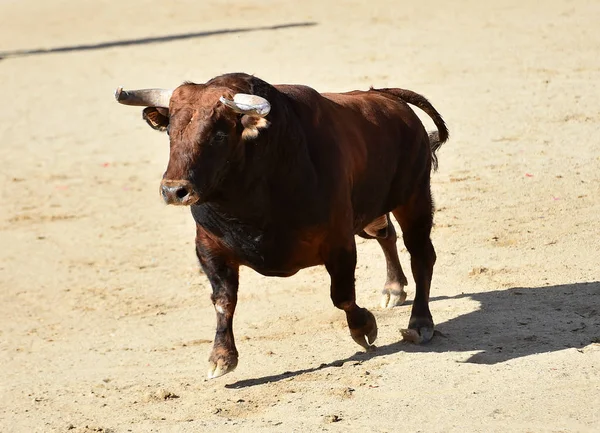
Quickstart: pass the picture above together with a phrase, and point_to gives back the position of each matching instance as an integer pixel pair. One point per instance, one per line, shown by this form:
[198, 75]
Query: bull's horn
[144, 97]
[248, 104]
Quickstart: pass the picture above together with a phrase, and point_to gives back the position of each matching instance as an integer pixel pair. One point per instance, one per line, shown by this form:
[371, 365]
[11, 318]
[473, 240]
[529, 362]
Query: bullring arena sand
[106, 323]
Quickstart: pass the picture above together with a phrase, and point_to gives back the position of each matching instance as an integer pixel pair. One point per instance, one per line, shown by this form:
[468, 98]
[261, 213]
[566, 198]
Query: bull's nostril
[178, 192]
[181, 193]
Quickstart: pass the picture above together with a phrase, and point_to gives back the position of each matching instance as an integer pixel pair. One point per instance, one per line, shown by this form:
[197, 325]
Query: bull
[281, 178]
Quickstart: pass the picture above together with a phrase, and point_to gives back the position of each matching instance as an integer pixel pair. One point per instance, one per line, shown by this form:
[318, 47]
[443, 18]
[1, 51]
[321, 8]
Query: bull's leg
[341, 264]
[223, 278]
[393, 293]
[416, 219]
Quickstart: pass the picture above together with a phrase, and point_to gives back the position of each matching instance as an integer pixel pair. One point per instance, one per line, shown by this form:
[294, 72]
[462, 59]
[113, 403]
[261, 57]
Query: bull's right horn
[144, 97]
[247, 104]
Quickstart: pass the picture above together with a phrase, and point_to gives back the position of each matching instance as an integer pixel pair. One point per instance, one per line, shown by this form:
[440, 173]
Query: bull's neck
[275, 181]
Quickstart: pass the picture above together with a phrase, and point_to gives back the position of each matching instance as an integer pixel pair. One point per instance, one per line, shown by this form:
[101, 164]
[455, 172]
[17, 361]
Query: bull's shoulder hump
[294, 88]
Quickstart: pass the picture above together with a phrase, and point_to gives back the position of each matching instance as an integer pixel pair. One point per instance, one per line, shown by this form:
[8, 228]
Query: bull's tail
[435, 143]
[436, 138]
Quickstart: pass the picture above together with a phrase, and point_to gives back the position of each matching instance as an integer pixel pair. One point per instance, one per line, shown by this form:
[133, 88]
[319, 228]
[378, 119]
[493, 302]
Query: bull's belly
[283, 271]
[275, 251]
[280, 261]
[284, 256]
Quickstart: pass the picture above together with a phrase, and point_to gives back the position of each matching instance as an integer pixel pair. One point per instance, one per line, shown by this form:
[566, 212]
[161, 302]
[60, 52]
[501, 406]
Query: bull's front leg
[224, 279]
[341, 264]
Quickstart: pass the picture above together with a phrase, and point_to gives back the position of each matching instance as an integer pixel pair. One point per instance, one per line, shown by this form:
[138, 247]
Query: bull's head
[207, 126]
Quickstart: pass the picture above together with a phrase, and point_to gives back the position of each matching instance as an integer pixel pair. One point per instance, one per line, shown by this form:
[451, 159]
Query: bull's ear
[157, 118]
[252, 126]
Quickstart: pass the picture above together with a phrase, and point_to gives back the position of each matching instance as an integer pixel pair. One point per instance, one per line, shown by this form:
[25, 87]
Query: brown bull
[280, 178]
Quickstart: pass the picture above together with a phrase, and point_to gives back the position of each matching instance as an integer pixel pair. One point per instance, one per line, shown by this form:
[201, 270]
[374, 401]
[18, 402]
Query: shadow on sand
[149, 40]
[509, 324]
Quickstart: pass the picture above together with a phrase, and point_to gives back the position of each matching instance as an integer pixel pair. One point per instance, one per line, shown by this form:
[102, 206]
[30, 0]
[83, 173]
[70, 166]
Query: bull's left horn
[144, 97]
[248, 104]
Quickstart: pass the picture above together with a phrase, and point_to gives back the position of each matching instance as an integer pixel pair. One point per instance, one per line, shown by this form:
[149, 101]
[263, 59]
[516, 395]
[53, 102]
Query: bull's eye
[220, 137]
[169, 129]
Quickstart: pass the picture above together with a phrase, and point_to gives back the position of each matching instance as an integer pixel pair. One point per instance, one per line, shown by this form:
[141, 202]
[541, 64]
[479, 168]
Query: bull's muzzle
[178, 192]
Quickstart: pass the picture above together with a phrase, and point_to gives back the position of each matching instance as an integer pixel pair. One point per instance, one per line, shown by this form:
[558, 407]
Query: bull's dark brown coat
[291, 190]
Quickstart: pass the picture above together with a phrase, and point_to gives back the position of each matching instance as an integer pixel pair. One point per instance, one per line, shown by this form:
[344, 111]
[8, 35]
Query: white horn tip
[248, 104]
[118, 93]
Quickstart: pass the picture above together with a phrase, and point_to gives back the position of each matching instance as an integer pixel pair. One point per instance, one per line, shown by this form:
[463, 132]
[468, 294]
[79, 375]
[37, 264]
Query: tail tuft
[435, 143]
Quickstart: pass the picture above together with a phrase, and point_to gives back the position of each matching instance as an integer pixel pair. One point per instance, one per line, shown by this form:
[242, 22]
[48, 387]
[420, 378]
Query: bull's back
[367, 147]
[383, 138]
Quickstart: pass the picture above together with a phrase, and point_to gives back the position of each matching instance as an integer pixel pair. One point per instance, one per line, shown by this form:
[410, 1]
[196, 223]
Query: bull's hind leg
[393, 293]
[416, 219]
[341, 264]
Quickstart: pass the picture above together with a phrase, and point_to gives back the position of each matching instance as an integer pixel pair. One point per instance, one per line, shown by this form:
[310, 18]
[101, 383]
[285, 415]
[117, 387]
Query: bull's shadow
[519, 322]
[509, 324]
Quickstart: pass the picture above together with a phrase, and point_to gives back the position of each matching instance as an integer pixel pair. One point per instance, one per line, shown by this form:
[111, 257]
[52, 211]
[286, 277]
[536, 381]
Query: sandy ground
[105, 322]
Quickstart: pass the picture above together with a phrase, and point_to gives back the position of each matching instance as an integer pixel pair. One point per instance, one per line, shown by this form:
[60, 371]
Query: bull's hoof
[393, 295]
[420, 331]
[363, 328]
[220, 363]
[415, 336]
